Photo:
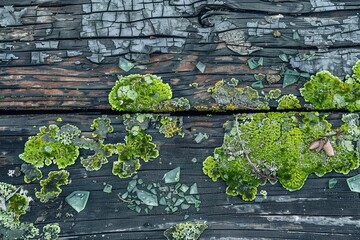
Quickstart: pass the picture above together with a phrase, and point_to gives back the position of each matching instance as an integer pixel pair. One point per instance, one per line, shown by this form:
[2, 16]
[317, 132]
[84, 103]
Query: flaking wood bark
[75, 46]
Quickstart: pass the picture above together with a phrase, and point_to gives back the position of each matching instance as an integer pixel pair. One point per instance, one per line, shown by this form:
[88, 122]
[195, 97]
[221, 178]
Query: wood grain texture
[314, 212]
[63, 54]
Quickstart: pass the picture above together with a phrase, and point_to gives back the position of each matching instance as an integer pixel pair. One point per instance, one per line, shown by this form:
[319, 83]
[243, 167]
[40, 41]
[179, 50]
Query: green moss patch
[138, 93]
[273, 147]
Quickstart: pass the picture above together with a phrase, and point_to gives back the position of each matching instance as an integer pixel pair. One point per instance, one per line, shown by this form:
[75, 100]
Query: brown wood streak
[271, 218]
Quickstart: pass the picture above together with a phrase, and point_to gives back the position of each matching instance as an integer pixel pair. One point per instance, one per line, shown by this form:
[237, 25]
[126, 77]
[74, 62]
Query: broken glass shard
[153, 191]
[296, 36]
[147, 198]
[185, 206]
[190, 199]
[107, 188]
[146, 211]
[200, 137]
[172, 176]
[354, 183]
[125, 195]
[181, 194]
[252, 63]
[305, 75]
[137, 209]
[332, 182]
[125, 65]
[174, 209]
[179, 202]
[290, 77]
[131, 185]
[78, 200]
[197, 203]
[131, 207]
[184, 188]
[140, 181]
[194, 189]
[186, 216]
[177, 186]
[284, 57]
[201, 66]
[162, 201]
[257, 85]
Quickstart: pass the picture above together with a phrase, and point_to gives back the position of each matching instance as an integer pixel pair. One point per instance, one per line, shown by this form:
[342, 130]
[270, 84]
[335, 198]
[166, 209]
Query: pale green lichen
[171, 126]
[50, 187]
[325, 91]
[31, 173]
[51, 145]
[137, 146]
[356, 70]
[101, 127]
[50, 232]
[138, 93]
[274, 94]
[185, 231]
[275, 147]
[288, 102]
[14, 203]
[228, 96]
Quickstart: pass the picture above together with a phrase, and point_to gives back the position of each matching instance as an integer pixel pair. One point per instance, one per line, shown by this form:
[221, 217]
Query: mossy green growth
[51, 232]
[171, 126]
[228, 96]
[274, 94]
[101, 127]
[185, 231]
[288, 102]
[52, 145]
[325, 91]
[50, 187]
[138, 93]
[31, 173]
[137, 146]
[356, 70]
[274, 147]
[14, 203]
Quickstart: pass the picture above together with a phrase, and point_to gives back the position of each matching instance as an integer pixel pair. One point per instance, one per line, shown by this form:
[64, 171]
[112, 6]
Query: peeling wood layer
[71, 41]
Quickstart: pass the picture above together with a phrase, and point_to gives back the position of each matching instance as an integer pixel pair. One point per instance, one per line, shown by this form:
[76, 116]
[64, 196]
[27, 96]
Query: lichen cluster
[325, 91]
[274, 147]
[139, 93]
[288, 102]
[50, 187]
[14, 203]
[185, 231]
[230, 97]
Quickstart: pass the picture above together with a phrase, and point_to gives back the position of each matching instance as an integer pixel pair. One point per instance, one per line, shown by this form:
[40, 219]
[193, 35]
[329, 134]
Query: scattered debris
[296, 36]
[125, 64]
[172, 176]
[332, 183]
[264, 193]
[199, 137]
[174, 196]
[78, 200]
[257, 85]
[354, 183]
[284, 57]
[253, 63]
[185, 231]
[107, 188]
[194, 85]
[201, 66]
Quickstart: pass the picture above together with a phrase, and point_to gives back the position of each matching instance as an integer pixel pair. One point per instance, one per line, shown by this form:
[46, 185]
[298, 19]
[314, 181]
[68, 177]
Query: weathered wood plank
[314, 212]
[63, 54]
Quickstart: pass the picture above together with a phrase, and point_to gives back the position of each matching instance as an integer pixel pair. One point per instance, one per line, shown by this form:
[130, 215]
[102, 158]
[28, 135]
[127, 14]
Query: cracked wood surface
[63, 55]
[314, 212]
